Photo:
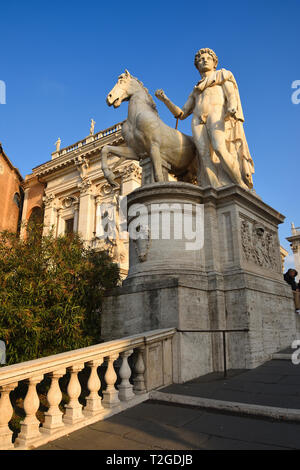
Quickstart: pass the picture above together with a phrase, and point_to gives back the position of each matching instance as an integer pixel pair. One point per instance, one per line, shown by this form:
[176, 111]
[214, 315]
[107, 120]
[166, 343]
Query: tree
[50, 293]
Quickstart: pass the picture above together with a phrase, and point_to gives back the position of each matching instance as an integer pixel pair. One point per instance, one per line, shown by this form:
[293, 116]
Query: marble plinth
[232, 280]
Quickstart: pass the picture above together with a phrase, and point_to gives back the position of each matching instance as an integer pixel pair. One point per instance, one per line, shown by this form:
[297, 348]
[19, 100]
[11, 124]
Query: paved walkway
[276, 383]
[156, 425]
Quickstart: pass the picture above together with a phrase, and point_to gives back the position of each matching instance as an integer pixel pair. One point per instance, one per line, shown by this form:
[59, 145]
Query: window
[69, 226]
[17, 200]
[35, 220]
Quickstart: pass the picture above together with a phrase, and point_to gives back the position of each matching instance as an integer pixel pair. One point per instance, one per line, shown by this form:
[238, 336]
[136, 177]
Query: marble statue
[92, 128]
[217, 124]
[145, 134]
[57, 143]
[82, 164]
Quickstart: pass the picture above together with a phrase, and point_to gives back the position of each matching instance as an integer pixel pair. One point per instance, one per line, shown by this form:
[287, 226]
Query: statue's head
[200, 55]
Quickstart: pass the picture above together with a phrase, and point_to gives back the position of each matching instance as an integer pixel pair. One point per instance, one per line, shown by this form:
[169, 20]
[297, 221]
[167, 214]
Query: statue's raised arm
[175, 110]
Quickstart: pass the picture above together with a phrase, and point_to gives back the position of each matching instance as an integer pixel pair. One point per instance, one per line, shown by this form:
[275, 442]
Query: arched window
[36, 219]
[17, 200]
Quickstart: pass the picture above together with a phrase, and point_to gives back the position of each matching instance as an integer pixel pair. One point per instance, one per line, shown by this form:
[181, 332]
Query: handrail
[55, 422]
[44, 365]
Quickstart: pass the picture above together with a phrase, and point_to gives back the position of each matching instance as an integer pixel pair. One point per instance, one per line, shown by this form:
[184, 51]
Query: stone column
[24, 213]
[295, 245]
[76, 216]
[50, 213]
[86, 210]
[98, 226]
[60, 223]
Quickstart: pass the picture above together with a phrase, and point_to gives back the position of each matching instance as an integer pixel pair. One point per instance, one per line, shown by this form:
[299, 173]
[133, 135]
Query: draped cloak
[234, 130]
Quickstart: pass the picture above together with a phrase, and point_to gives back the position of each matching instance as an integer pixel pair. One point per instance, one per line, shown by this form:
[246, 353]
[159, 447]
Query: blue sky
[59, 59]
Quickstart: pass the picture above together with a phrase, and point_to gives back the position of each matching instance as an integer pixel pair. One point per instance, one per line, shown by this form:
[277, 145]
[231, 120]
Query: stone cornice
[30, 181]
[252, 200]
[218, 197]
[294, 239]
[96, 177]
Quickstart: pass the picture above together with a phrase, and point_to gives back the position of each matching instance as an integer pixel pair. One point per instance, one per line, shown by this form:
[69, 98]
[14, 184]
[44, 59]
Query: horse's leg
[124, 153]
[156, 160]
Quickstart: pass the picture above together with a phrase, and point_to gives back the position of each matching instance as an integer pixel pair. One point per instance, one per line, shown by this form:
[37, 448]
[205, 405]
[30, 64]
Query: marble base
[233, 282]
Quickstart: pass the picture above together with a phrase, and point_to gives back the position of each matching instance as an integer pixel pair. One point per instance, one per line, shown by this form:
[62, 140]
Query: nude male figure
[216, 124]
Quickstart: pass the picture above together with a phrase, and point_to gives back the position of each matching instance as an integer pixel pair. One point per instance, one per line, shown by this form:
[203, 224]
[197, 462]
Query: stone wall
[10, 194]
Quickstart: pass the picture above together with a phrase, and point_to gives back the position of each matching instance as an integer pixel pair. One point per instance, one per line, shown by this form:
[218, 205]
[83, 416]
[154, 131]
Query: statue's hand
[232, 112]
[160, 94]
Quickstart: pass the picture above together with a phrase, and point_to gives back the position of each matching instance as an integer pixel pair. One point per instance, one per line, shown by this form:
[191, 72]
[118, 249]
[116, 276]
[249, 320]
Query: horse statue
[145, 134]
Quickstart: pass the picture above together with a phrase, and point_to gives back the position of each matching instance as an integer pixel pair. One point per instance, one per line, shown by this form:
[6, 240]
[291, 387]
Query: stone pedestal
[228, 277]
[148, 170]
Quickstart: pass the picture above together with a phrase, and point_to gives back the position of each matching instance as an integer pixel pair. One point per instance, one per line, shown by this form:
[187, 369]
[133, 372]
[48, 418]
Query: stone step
[272, 412]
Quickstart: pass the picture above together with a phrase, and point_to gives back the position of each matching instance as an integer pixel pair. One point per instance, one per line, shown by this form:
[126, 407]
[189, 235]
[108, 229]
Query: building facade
[283, 254]
[295, 245]
[11, 194]
[70, 194]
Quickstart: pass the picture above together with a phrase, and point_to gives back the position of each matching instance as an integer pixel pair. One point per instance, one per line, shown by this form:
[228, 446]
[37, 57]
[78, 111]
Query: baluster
[125, 387]
[6, 412]
[30, 426]
[73, 412]
[110, 395]
[139, 369]
[53, 417]
[93, 401]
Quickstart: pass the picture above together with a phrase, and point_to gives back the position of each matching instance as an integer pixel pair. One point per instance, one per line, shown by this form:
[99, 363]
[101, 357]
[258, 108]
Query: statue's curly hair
[208, 51]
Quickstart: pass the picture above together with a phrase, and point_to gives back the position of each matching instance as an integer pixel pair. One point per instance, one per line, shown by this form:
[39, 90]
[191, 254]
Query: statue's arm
[230, 93]
[175, 110]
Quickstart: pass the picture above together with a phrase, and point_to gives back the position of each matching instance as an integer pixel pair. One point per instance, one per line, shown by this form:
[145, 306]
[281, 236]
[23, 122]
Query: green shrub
[50, 294]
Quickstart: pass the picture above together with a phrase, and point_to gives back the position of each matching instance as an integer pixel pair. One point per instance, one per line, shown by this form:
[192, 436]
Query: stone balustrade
[119, 374]
[91, 138]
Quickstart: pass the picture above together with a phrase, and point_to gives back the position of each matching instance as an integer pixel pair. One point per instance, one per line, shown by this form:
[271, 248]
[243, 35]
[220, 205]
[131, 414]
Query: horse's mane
[151, 102]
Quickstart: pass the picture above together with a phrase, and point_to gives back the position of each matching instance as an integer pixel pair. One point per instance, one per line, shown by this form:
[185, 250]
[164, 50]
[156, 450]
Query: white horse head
[127, 86]
[122, 90]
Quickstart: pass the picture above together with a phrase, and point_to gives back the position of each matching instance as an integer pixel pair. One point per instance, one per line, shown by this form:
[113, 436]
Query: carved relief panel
[259, 244]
